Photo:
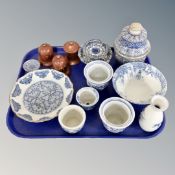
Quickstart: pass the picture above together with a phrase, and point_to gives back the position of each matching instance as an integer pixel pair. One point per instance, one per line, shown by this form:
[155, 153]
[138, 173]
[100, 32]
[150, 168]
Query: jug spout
[160, 102]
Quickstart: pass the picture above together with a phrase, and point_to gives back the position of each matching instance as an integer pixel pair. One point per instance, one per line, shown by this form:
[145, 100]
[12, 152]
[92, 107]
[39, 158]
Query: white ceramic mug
[72, 118]
[87, 97]
[98, 74]
[116, 114]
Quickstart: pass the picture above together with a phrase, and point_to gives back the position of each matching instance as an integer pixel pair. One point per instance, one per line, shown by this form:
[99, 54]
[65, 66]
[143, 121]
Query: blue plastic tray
[93, 127]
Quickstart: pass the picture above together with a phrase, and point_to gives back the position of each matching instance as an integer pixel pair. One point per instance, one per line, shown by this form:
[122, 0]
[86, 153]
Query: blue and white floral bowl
[98, 74]
[39, 95]
[116, 114]
[93, 50]
[87, 97]
[138, 82]
[132, 44]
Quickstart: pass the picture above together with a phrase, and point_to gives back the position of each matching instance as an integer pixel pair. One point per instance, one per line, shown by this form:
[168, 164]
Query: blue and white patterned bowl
[138, 82]
[87, 97]
[132, 44]
[95, 49]
[39, 95]
[31, 65]
[98, 74]
[116, 114]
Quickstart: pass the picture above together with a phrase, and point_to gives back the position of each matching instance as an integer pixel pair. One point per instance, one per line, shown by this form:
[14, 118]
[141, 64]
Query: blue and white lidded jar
[132, 44]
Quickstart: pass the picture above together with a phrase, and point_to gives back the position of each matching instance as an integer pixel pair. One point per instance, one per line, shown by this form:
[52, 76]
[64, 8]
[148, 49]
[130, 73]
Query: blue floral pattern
[17, 91]
[42, 74]
[113, 130]
[57, 75]
[132, 45]
[69, 97]
[16, 106]
[27, 79]
[44, 119]
[26, 117]
[43, 97]
[157, 125]
[67, 83]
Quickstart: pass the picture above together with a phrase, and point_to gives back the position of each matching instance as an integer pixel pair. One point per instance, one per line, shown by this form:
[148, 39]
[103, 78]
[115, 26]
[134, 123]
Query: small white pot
[72, 118]
[87, 97]
[98, 74]
[116, 114]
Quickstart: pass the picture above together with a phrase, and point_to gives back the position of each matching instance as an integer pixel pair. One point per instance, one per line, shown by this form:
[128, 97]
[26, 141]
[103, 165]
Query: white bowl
[72, 118]
[98, 74]
[116, 114]
[87, 97]
[138, 82]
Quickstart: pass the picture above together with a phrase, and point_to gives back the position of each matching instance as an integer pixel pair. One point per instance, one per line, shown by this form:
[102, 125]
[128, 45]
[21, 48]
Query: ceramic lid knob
[135, 28]
[45, 51]
[60, 62]
[71, 47]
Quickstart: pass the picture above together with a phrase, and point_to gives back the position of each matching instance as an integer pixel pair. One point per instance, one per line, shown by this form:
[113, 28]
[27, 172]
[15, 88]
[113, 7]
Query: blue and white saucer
[93, 50]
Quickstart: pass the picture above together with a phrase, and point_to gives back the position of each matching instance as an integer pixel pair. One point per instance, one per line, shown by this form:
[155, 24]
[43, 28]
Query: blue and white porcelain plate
[39, 95]
[95, 49]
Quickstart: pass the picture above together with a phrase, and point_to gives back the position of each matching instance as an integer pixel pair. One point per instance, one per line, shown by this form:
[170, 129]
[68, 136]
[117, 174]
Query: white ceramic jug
[152, 116]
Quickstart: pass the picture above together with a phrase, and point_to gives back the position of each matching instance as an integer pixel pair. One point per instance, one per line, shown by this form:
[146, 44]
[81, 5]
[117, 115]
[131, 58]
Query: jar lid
[93, 50]
[132, 41]
[71, 47]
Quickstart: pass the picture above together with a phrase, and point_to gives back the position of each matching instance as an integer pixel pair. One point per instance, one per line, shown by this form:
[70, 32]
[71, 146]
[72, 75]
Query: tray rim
[73, 136]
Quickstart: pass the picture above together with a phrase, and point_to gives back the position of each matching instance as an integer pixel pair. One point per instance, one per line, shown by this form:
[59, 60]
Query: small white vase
[152, 116]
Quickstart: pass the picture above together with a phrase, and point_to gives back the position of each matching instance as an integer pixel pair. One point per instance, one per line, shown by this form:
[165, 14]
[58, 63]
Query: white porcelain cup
[98, 74]
[72, 118]
[87, 97]
[116, 114]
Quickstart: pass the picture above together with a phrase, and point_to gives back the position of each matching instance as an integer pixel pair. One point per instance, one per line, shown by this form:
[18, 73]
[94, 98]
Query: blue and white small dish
[98, 74]
[138, 82]
[39, 95]
[116, 114]
[72, 118]
[132, 44]
[87, 97]
[31, 65]
[95, 49]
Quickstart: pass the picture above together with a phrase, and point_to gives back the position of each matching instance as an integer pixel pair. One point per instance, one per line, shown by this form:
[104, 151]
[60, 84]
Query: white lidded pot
[152, 116]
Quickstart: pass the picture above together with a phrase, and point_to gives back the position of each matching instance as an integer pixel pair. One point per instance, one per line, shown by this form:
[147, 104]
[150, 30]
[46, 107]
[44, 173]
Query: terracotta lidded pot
[45, 54]
[71, 48]
[61, 63]
[132, 44]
